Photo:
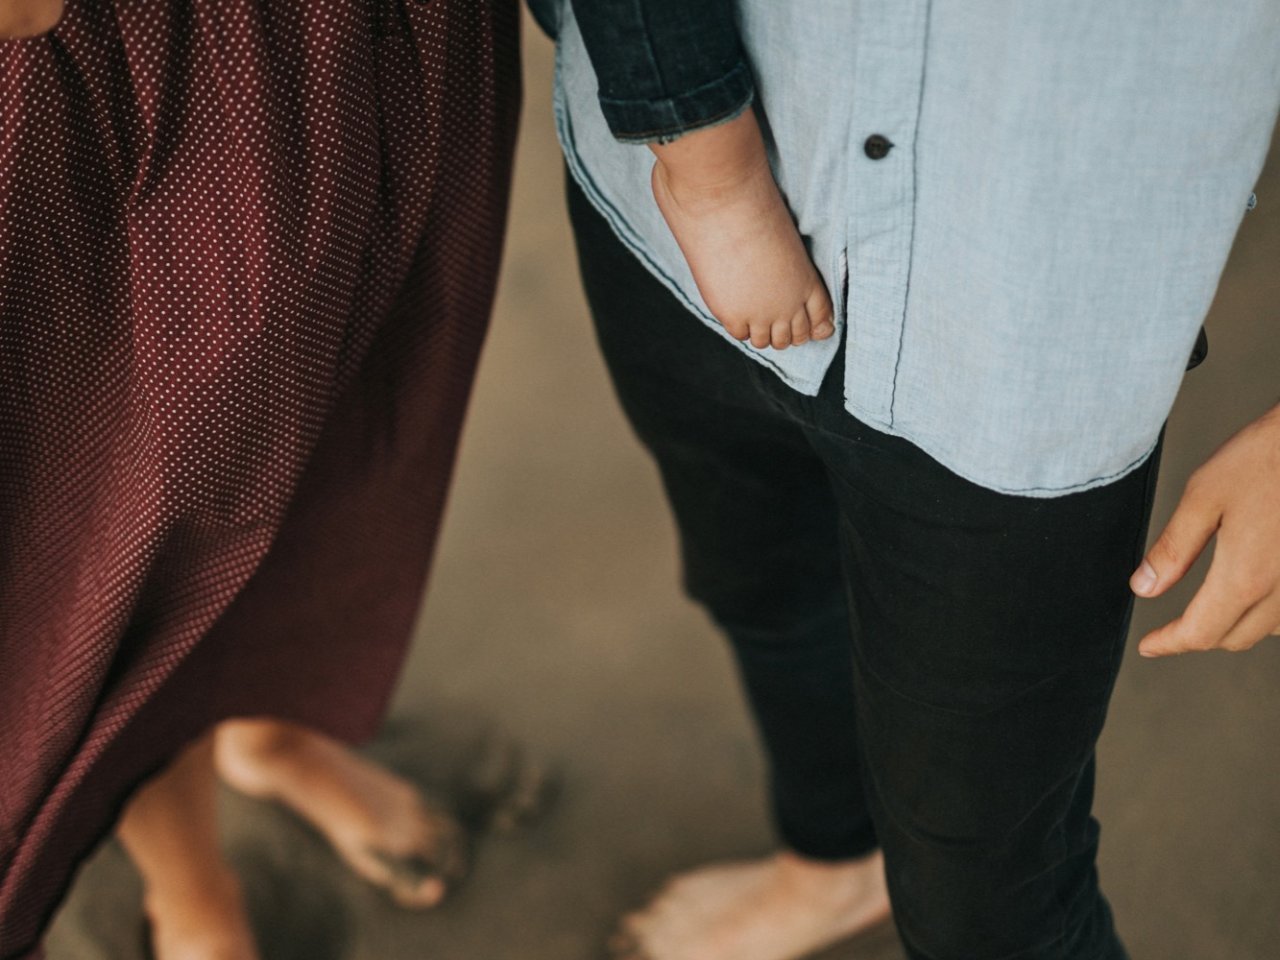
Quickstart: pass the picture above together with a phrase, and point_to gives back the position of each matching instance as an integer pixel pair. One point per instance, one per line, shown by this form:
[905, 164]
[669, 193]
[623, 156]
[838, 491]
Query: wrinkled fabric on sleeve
[665, 67]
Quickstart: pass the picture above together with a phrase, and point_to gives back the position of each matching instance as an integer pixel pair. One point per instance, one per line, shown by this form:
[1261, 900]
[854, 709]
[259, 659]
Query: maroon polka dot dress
[247, 252]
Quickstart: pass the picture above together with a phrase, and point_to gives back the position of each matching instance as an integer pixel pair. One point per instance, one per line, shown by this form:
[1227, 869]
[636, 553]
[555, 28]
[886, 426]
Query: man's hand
[1235, 494]
[28, 18]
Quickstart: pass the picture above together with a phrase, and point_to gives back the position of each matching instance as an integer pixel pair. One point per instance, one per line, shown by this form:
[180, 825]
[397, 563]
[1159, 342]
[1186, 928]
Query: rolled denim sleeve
[665, 67]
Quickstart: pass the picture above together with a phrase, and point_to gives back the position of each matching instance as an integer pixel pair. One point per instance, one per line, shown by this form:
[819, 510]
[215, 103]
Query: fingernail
[1144, 580]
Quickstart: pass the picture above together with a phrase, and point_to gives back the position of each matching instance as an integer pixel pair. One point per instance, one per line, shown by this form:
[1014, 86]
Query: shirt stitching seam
[1012, 491]
[680, 127]
[915, 195]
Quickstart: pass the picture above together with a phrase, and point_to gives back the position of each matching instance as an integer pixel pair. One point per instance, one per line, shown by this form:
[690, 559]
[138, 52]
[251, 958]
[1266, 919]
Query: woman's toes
[531, 794]
[413, 880]
[501, 789]
[420, 871]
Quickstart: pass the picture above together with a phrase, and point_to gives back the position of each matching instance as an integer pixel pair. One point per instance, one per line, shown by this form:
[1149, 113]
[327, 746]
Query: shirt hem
[1044, 492]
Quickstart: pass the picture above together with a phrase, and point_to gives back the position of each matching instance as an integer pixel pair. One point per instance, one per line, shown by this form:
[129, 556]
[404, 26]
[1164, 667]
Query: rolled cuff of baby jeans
[664, 119]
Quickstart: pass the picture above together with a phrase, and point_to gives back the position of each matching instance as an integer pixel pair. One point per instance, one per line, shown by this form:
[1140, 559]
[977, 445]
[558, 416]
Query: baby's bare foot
[379, 823]
[780, 908]
[717, 193]
[206, 923]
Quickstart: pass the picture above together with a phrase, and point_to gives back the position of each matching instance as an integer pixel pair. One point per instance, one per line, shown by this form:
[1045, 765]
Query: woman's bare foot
[190, 894]
[379, 823]
[205, 923]
[780, 908]
[500, 788]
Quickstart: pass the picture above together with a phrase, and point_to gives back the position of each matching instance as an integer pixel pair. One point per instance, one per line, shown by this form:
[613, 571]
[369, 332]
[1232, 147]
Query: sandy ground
[555, 616]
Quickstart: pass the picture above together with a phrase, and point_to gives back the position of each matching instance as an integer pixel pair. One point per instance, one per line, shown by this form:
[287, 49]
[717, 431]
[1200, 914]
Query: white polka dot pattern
[247, 251]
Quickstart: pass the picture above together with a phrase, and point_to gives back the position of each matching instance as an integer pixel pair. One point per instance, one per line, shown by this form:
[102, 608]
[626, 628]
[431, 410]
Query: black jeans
[929, 662]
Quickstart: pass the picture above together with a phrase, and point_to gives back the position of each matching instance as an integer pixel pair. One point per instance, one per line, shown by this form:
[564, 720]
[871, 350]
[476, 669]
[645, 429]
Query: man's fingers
[1180, 636]
[1235, 495]
[1162, 642]
[1257, 623]
[1212, 613]
[1171, 556]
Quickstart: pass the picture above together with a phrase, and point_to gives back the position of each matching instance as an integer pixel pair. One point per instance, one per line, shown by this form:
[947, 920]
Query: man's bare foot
[379, 823]
[780, 908]
[208, 922]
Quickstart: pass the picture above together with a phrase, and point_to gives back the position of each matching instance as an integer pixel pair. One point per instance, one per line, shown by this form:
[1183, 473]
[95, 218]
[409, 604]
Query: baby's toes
[800, 327]
[761, 334]
[735, 327]
[821, 313]
[780, 334]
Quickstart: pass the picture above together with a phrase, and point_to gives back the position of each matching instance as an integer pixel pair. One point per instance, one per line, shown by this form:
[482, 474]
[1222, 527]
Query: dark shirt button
[877, 147]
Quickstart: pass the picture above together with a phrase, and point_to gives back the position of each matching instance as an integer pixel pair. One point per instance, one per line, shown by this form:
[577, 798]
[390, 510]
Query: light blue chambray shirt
[1027, 269]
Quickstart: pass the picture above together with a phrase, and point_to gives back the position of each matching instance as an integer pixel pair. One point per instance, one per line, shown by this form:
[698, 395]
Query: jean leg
[758, 534]
[988, 630]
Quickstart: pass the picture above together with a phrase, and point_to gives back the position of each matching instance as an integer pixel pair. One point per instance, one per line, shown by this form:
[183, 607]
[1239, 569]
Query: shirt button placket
[887, 89]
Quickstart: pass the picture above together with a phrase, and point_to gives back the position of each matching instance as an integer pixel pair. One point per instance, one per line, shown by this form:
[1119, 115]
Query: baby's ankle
[700, 193]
